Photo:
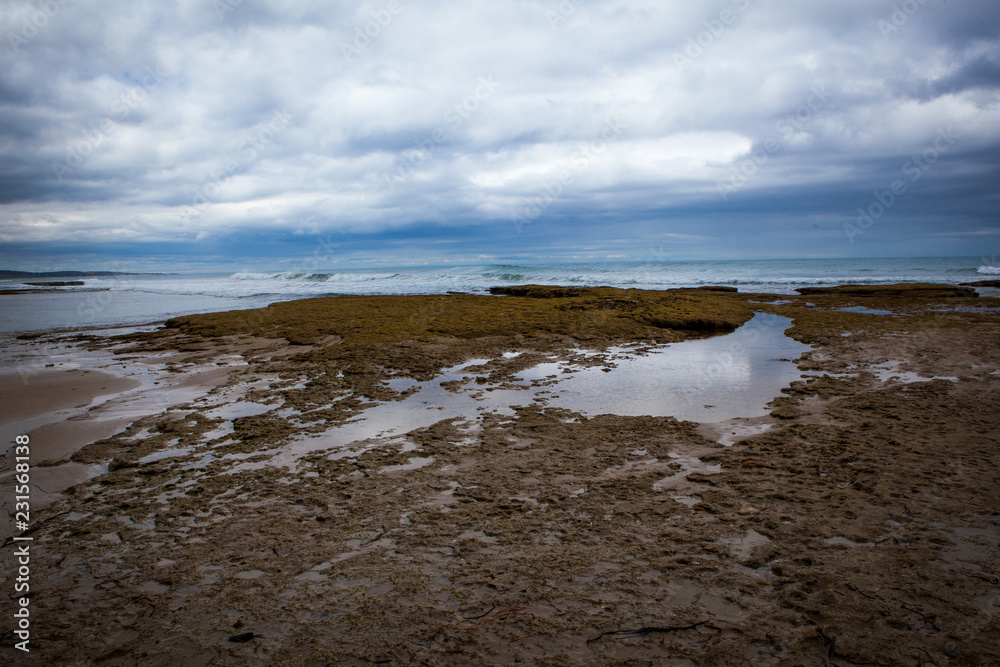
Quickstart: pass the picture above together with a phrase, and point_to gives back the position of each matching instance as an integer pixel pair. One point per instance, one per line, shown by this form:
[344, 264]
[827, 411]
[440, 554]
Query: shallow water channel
[706, 380]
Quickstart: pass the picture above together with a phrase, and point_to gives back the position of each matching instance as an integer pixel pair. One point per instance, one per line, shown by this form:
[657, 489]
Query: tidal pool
[707, 380]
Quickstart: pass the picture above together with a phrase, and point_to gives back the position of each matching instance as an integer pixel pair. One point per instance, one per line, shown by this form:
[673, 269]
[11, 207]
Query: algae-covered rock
[590, 313]
[717, 288]
[899, 290]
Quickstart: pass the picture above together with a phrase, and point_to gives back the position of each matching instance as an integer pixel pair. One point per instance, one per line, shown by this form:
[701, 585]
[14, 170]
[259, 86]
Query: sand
[66, 400]
[858, 523]
[26, 395]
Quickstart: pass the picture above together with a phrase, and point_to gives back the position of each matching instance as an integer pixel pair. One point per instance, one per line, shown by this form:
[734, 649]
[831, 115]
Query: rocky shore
[857, 523]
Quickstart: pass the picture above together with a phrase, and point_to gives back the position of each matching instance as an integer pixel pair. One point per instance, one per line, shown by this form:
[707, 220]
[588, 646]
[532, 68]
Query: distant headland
[17, 275]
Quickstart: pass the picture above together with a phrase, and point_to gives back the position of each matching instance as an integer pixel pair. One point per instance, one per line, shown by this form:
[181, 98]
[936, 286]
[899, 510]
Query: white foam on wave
[136, 298]
[254, 276]
[477, 279]
[345, 276]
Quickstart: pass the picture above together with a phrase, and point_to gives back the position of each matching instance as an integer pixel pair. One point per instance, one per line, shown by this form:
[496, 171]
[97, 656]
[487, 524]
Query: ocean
[133, 300]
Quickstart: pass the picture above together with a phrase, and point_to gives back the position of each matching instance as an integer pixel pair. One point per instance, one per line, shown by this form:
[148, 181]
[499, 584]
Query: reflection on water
[707, 380]
[865, 310]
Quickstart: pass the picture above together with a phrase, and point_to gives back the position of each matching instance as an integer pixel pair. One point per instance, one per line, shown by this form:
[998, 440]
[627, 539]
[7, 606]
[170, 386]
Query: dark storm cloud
[483, 128]
[981, 73]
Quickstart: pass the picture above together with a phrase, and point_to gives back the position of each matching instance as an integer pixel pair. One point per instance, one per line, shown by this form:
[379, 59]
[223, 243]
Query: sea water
[144, 299]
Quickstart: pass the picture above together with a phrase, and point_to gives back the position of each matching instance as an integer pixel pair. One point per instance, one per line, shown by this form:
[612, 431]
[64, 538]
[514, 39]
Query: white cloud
[358, 120]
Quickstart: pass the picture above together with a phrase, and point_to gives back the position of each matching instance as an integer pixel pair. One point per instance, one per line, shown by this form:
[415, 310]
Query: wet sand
[856, 523]
[26, 395]
[65, 396]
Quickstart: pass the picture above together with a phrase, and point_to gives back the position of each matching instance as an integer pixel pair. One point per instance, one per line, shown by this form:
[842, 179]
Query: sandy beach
[460, 479]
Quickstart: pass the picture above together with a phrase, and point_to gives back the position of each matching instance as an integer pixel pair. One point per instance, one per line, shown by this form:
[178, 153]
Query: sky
[241, 134]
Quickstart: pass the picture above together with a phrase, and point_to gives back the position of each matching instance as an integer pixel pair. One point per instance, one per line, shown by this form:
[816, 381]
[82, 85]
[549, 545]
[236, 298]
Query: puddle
[889, 370]
[967, 309]
[250, 574]
[416, 462]
[688, 464]
[885, 372]
[239, 409]
[844, 542]
[165, 454]
[730, 432]
[742, 547]
[687, 593]
[479, 536]
[864, 310]
[763, 573]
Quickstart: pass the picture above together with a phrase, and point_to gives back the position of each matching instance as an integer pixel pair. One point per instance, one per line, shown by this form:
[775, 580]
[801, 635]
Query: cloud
[188, 122]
